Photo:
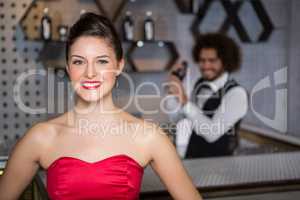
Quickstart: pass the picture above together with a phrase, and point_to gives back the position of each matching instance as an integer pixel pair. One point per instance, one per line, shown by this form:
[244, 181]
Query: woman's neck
[93, 112]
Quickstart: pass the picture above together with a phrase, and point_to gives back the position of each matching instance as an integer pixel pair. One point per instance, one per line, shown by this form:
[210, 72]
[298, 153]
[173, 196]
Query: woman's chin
[91, 97]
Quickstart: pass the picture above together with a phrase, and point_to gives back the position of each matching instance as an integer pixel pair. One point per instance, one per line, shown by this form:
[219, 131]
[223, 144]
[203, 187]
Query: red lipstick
[90, 85]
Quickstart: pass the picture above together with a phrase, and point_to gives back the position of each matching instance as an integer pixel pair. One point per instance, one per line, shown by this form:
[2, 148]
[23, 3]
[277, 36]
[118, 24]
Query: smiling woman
[77, 165]
[100, 61]
[93, 69]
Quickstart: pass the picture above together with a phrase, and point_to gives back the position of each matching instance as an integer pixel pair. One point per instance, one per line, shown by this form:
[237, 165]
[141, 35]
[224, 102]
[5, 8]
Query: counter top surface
[235, 170]
[224, 171]
[230, 171]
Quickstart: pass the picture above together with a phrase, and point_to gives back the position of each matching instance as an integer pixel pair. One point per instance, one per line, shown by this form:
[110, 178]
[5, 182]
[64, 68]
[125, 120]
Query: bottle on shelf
[62, 32]
[46, 26]
[128, 27]
[181, 71]
[149, 27]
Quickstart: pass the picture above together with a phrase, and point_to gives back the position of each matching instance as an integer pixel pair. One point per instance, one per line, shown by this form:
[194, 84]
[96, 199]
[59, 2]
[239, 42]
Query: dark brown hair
[227, 49]
[90, 24]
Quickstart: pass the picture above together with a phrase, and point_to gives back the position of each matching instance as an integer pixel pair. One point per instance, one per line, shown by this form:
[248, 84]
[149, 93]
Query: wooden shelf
[150, 56]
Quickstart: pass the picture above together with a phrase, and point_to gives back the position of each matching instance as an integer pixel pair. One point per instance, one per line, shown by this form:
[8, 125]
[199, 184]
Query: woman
[79, 163]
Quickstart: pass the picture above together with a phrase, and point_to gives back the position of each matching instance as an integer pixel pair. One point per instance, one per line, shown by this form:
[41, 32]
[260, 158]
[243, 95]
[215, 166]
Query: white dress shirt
[233, 107]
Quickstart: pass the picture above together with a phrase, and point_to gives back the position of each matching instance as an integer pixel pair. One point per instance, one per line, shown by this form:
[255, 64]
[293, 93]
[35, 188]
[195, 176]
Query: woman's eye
[102, 61]
[77, 62]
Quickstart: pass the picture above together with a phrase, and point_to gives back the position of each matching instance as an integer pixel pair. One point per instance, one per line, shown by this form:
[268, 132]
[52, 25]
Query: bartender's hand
[176, 88]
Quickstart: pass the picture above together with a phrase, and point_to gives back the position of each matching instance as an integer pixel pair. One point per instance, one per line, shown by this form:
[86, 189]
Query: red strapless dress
[114, 178]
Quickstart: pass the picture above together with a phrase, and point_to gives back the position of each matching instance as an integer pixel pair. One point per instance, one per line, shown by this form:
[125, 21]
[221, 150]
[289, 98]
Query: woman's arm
[22, 164]
[167, 164]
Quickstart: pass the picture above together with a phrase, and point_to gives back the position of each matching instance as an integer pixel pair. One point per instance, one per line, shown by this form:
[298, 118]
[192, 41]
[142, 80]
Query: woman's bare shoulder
[141, 125]
[148, 134]
[148, 130]
[155, 134]
[45, 131]
[40, 133]
[33, 143]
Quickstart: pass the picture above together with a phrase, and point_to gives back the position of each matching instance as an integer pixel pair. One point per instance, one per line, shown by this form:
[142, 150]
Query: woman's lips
[90, 85]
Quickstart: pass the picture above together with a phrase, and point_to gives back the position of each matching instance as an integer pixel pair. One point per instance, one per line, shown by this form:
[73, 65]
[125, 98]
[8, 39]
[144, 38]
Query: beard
[212, 74]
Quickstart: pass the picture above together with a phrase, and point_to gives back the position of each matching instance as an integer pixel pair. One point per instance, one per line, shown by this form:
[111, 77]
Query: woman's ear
[120, 66]
[67, 69]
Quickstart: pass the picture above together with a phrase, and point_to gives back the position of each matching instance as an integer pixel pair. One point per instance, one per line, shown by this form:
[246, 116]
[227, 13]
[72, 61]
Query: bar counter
[221, 176]
[228, 175]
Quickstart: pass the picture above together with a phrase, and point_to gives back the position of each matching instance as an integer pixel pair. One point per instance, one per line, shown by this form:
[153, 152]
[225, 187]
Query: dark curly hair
[227, 49]
[90, 24]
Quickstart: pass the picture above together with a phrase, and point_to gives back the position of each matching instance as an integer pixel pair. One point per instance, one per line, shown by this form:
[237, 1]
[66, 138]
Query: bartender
[216, 104]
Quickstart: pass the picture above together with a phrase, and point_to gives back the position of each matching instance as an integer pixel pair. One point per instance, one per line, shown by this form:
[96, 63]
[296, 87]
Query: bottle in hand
[181, 72]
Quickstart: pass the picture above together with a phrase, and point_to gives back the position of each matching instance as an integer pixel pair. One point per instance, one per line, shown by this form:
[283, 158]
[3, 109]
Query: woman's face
[93, 67]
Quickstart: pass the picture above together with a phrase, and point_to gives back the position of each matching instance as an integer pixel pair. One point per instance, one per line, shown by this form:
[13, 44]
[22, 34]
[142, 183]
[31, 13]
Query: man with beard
[217, 104]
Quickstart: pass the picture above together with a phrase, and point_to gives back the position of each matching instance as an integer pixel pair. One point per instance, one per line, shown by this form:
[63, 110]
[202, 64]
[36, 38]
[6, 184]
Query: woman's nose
[91, 72]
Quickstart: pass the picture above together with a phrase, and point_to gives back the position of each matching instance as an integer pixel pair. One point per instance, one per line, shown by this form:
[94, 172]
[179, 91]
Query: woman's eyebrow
[103, 56]
[77, 56]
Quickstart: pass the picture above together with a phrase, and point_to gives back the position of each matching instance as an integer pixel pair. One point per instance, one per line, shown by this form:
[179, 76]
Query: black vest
[226, 144]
